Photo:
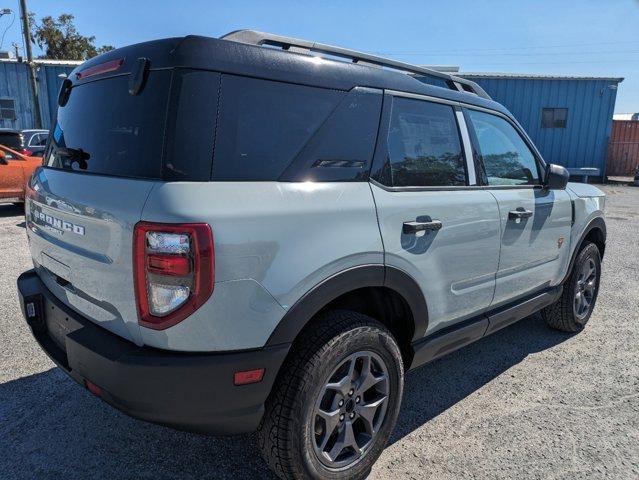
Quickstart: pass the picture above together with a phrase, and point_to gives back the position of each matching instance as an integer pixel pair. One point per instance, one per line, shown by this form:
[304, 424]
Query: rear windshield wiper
[73, 155]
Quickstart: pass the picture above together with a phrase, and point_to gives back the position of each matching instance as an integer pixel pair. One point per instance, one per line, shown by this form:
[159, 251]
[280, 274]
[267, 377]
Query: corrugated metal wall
[50, 84]
[623, 159]
[590, 104]
[14, 84]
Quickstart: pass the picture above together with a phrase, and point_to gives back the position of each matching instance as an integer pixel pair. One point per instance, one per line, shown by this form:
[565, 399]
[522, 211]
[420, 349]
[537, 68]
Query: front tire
[573, 309]
[336, 400]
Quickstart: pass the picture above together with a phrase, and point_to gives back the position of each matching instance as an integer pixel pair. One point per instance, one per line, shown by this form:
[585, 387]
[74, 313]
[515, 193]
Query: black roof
[273, 64]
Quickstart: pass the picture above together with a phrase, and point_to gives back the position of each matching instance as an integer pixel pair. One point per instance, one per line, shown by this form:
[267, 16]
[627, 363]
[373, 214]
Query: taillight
[168, 265]
[25, 152]
[174, 268]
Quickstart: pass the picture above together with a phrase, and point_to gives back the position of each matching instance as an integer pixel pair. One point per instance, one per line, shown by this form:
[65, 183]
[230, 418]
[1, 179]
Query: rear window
[104, 129]
[263, 125]
[11, 139]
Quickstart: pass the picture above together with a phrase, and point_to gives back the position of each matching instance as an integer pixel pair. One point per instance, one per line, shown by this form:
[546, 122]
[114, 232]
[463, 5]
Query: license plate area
[59, 269]
[50, 325]
[57, 325]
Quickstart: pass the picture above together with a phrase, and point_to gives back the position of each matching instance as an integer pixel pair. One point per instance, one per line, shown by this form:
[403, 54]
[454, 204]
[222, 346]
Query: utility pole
[33, 80]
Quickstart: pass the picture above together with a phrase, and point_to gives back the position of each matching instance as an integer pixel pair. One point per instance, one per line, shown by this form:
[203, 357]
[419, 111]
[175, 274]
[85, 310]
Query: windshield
[104, 129]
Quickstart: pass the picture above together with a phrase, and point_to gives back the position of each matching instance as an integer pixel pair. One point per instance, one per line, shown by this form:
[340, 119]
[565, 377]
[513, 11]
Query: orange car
[15, 170]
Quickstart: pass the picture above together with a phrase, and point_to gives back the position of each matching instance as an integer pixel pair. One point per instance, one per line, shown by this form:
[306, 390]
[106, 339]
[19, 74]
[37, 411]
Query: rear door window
[263, 125]
[424, 146]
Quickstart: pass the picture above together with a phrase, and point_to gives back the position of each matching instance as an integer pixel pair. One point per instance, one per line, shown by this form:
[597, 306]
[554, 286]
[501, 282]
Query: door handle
[414, 227]
[519, 213]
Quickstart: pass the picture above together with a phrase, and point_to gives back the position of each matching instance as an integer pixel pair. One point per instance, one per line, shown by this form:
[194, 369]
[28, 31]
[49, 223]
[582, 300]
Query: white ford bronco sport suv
[264, 233]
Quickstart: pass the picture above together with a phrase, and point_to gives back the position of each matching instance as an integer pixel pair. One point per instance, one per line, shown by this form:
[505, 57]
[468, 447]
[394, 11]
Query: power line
[529, 47]
[13, 19]
[556, 63]
[538, 54]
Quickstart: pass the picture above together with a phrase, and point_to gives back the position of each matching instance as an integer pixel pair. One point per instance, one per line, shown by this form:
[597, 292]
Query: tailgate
[80, 230]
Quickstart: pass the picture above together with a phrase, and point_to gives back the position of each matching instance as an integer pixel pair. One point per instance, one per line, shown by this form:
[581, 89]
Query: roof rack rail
[290, 44]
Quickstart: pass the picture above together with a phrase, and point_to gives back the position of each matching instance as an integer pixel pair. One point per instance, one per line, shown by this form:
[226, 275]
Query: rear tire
[573, 309]
[343, 379]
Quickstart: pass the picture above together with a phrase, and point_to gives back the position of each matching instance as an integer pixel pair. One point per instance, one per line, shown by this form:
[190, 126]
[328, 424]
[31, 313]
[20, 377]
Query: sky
[585, 37]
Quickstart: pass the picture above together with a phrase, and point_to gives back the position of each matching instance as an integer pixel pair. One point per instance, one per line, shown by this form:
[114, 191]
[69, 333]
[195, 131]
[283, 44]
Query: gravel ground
[526, 402]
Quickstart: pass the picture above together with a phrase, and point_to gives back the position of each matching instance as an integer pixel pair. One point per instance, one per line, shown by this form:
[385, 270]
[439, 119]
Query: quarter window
[554, 117]
[505, 157]
[424, 148]
[263, 125]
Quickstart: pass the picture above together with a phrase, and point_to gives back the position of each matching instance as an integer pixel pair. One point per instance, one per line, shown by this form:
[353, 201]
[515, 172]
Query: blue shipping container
[15, 90]
[580, 141]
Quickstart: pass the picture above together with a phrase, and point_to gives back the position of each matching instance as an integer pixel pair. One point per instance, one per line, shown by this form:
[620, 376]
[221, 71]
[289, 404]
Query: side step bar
[457, 336]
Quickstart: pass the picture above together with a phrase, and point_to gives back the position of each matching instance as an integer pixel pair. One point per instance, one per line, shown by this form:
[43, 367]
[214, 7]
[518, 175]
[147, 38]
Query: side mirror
[3, 158]
[556, 177]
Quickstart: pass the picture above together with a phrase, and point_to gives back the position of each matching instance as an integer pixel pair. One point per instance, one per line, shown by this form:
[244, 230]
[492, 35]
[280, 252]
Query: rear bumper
[187, 391]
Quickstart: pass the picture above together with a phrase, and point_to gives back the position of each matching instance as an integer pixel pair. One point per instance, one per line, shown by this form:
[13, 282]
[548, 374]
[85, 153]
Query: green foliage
[60, 39]
[444, 169]
[507, 168]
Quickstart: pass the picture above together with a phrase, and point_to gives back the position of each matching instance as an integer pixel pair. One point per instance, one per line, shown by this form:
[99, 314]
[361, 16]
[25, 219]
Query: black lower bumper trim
[187, 391]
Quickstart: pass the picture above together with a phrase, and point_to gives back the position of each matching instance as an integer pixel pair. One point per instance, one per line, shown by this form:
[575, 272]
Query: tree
[60, 39]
